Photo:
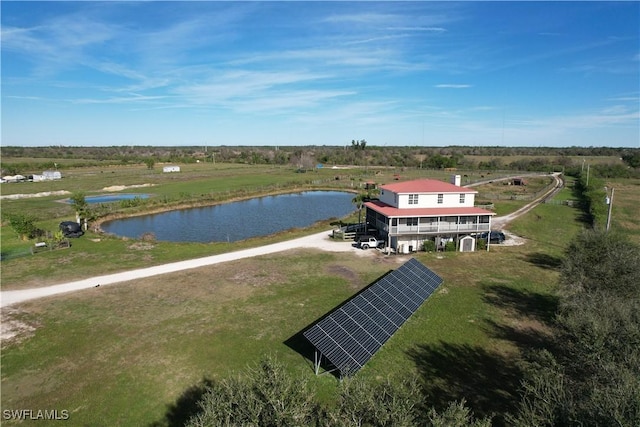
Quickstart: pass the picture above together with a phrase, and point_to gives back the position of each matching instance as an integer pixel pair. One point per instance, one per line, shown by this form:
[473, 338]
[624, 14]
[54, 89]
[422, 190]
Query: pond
[235, 221]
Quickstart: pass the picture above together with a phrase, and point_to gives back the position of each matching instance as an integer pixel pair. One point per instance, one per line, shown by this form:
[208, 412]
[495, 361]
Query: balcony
[443, 227]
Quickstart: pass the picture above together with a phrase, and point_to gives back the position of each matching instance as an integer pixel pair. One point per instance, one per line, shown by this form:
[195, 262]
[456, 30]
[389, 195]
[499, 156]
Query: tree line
[358, 152]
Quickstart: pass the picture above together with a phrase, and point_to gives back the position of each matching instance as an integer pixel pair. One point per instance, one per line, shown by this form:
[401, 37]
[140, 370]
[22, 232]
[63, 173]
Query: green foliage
[389, 403]
[594, 377]
[429, 246]
[358, 145]
[450, 247]
[545, 401]
[601, 261]
[632, 158]
[456, 415]
[266, 396]
[592, 194]
[23, 224]
[481, 244]
[79, 203]
[150, 162]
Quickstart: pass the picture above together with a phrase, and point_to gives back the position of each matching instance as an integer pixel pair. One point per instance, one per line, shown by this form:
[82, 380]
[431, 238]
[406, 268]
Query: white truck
[366, 242]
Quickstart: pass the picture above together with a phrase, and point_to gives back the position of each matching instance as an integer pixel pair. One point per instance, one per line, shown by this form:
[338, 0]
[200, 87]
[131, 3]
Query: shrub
[23, 225]
[429, 246]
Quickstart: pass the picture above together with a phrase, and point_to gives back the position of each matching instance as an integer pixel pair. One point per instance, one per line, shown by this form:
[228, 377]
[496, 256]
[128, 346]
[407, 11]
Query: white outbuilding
[51, 175]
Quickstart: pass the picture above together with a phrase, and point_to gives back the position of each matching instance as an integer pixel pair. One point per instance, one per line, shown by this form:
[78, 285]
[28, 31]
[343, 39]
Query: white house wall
[388, 197]
[449, 200]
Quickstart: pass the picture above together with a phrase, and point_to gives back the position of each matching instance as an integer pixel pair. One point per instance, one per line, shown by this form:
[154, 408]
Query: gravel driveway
[320, 241]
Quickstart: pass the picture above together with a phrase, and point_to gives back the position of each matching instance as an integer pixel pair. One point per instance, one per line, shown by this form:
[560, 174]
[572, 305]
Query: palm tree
[359, 200]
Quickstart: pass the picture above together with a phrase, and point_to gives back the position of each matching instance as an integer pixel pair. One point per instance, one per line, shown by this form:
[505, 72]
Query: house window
[413, 199]
[440, 198]
[412, 222]
[462, 198]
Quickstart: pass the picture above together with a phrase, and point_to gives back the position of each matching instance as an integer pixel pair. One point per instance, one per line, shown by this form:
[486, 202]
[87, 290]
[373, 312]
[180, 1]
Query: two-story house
[408, 213]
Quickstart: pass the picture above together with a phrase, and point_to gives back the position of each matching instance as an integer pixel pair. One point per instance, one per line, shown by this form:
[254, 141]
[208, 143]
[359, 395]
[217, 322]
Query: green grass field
[129, 354]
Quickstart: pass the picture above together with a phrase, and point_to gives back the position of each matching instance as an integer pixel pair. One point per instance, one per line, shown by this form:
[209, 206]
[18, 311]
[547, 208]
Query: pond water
[235, 221]
[108, 198]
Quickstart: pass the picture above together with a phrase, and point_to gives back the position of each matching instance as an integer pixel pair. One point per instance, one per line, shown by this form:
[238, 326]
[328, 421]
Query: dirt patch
[256, 276]
[124, 187]
[512, 240]
[141, 246]
[344, 272]
[12, 329]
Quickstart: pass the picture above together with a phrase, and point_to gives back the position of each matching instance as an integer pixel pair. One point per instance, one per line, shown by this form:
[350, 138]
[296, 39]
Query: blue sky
[300, 73]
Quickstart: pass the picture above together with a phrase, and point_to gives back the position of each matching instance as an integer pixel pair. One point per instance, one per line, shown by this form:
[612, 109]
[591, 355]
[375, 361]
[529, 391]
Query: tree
[266, 396]
[593, 376]
[23, 225]
[150, 162]
[79, 203]
[597, 260]
[359, 200]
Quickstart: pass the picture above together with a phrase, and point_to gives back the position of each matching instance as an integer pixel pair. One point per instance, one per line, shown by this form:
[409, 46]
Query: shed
[51, 175]
[168, 169]
[467, 244]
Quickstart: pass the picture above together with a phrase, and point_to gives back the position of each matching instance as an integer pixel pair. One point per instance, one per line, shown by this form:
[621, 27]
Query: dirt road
[320, 240]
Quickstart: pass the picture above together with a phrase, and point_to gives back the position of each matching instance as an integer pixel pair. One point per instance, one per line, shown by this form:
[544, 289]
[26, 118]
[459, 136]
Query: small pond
[109, 198]
[235, 221]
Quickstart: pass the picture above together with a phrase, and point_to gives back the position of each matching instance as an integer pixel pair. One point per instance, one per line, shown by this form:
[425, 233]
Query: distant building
[167, 169]
[51, 175]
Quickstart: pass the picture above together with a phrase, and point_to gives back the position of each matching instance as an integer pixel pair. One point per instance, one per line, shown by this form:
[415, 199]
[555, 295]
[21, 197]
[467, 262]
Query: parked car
[496, 236]
[71, 229]
[366, 242]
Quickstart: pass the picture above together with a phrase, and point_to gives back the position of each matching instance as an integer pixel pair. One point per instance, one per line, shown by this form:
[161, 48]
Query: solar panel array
[350, 335]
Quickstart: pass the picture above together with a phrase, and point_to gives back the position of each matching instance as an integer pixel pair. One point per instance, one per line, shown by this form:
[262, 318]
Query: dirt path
[320, 240]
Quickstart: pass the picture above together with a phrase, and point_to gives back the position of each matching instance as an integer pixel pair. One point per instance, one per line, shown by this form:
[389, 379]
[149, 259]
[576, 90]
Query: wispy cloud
[133, 98]
[453, 86]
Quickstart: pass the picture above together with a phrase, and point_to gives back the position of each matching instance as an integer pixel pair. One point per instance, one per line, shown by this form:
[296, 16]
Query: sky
[417, 73]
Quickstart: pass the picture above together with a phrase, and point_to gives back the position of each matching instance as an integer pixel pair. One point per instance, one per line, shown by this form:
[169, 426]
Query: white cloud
[453, 86]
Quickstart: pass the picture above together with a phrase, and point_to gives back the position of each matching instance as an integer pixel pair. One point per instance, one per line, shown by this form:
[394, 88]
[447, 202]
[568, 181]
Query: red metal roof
[390, 211]
[425, 186]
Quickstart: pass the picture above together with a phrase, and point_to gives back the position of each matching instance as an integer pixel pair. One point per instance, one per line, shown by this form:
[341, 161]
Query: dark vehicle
[496, 236]
[71, 229]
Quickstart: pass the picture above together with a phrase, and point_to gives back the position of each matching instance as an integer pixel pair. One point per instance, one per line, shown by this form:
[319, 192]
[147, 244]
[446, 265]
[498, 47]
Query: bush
[429, 246]
[23, 225]
[481, 244]
[450, 247]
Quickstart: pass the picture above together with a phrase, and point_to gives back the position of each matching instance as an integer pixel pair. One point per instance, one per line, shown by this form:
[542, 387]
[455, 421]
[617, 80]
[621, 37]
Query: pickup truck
[366, 242]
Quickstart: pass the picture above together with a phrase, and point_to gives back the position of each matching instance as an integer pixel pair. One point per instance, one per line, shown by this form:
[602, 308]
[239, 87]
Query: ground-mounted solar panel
[351, 334]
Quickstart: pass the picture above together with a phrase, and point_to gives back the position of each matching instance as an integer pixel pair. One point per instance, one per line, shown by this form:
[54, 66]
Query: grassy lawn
[130, 354]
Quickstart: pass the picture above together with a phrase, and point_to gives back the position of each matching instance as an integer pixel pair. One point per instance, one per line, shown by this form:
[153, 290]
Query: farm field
[130, 354]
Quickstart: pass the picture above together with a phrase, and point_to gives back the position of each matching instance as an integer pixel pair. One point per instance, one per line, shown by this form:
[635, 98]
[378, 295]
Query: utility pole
[610, 203]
